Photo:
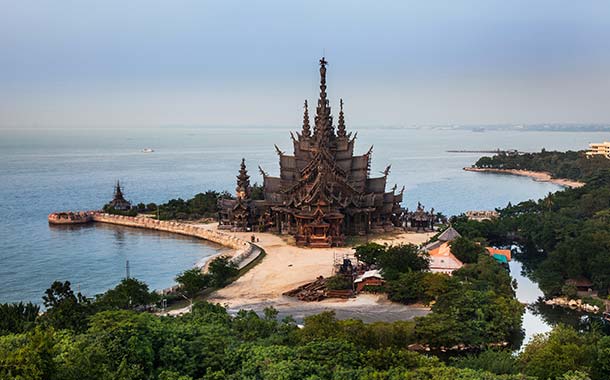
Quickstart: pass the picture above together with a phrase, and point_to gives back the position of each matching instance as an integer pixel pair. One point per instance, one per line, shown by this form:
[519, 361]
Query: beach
[286, 266]
[536, 176]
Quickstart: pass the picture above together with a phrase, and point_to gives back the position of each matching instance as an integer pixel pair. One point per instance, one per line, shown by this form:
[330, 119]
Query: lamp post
[190, 302]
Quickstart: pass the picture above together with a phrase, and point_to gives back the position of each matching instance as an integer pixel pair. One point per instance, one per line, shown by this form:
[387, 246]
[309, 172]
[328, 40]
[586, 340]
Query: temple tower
[323, 131]
[118, 202]
[242, 191]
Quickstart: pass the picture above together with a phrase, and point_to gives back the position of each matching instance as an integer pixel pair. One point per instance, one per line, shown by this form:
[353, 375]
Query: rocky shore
[573, 304]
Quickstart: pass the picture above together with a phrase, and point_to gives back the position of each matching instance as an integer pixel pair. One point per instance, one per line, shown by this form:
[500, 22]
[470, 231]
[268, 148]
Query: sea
[47, 170]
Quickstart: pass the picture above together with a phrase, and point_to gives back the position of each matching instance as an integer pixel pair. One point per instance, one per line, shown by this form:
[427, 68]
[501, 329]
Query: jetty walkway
[242, 252]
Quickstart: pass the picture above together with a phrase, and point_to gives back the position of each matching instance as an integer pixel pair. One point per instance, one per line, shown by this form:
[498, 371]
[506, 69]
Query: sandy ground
[536, 176]
[286, 266]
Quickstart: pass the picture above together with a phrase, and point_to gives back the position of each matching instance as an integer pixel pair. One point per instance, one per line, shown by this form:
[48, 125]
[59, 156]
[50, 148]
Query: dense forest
[202, 205]
[571, 165]
[565, 235]
[114, 336]
[107, 338]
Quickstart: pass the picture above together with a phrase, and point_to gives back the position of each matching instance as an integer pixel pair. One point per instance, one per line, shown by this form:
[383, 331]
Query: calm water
[48, 170]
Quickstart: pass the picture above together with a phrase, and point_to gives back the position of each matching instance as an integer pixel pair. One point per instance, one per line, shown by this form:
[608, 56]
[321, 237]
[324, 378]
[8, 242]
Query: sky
[92, 64]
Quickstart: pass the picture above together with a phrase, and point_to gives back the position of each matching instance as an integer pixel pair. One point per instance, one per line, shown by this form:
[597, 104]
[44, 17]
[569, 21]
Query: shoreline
[536, 176]
[240, 251]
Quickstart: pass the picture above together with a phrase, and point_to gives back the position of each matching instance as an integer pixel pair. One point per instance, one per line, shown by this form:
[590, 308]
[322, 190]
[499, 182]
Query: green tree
[369, 253]
[222, 270]
[29, 356]
[466, 250]
[128, 294]
[66, 310]
[192, 281]
[17, 317]
[408, 288]
[550, 355]
[400, 259]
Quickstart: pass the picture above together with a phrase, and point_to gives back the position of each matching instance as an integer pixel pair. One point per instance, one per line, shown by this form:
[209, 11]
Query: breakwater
[243, 252]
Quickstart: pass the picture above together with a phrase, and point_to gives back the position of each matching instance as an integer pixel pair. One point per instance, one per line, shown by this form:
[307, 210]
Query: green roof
[500, 258]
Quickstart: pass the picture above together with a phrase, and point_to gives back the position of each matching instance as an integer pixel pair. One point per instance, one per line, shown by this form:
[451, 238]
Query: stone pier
[243, 252]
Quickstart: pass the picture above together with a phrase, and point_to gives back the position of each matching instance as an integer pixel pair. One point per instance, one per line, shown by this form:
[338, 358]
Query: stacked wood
[312, 291]
[317, 291]
[345, 293]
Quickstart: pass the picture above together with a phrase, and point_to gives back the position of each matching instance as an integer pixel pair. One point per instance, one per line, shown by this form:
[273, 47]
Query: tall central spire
[323, 130]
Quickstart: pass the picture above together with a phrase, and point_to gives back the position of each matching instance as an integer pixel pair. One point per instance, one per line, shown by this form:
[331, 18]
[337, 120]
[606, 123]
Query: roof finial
[117, 189]
[341, 127]
[323, 130]
[306, 130]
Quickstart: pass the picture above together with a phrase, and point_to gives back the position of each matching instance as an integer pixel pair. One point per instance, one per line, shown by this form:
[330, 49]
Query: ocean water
[46, 170]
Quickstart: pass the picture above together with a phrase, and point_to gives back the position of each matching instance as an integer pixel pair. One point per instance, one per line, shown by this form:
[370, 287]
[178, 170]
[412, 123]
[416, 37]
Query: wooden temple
[323, 192]
[118, 201]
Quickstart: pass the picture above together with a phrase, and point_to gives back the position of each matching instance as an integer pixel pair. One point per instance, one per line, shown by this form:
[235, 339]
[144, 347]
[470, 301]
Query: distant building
[369, 278]
[599, 149]
[118, 202]
[582, 284]
[446, 236]
[480, 215]
[420, 219]
[442, 260]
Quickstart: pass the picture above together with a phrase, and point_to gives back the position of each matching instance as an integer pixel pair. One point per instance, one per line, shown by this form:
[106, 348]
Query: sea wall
[243, 252]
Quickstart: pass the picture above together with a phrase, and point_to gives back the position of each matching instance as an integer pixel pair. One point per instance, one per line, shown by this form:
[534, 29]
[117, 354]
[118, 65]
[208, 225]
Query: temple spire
[341, 126]
[306, 130]
[118, 194]
[323, 130]
[243, 182]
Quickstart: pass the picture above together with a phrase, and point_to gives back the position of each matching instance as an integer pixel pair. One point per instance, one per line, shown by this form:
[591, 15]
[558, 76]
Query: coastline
[536, 176]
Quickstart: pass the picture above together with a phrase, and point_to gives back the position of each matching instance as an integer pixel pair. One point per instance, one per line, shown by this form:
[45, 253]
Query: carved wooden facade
[323, 192]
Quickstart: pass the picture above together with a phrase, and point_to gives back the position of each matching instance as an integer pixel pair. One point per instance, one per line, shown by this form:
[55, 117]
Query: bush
[495, 361]
[339, 282]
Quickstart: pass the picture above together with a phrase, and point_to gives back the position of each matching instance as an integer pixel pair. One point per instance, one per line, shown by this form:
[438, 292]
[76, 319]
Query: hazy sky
[145, 63]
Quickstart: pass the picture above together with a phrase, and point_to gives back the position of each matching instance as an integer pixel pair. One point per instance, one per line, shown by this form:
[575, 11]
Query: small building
[420, 219]
[582, 284]
[119, 202]
[501, 255]
[599, 149]
[442, 260]
[369, 278]
[450, 234]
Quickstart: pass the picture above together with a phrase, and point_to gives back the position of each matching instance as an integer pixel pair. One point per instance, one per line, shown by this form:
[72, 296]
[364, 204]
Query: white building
[599, 149]
[442, 260]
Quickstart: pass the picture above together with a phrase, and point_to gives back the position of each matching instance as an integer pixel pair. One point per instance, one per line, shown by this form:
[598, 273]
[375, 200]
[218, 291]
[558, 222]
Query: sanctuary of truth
[324, 192]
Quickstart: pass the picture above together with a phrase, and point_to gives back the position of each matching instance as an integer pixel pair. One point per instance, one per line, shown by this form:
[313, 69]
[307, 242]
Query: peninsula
[536, 176]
